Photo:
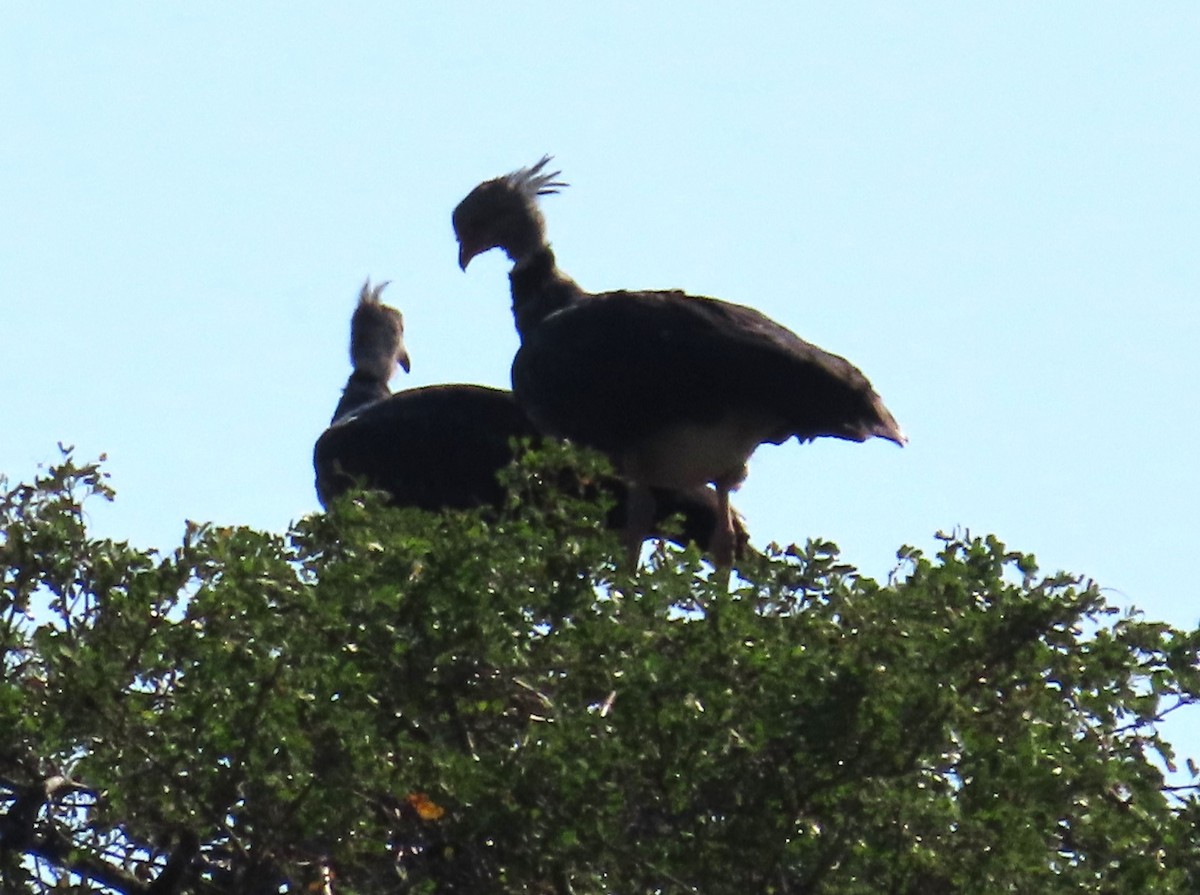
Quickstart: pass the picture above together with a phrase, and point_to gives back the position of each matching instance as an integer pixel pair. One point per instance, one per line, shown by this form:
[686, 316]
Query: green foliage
[403, 701]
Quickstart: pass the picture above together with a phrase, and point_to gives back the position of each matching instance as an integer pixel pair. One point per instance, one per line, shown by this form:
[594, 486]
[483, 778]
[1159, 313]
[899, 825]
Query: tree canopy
[384, 700]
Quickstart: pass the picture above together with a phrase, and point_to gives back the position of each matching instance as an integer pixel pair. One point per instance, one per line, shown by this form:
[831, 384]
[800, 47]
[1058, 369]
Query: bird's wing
[617, 367]
[436, 447]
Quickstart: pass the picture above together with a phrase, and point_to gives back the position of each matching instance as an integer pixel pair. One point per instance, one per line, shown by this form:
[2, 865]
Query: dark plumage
[434, 448]
[678, 390]
[440, 447]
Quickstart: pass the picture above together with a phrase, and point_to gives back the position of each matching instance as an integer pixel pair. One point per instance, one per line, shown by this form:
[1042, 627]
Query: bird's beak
[403, 361]
[469, 248]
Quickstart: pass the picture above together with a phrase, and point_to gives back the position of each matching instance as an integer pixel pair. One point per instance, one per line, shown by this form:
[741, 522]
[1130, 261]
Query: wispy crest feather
[532, 182]
[370, 295]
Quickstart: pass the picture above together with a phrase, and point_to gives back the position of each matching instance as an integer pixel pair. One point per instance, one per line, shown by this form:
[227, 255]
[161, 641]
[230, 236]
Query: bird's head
[377, 335]
[503, 213]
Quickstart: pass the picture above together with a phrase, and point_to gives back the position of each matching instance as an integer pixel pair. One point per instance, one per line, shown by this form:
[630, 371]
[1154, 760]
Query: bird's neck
[362, 388]
[524, 235]
[539, 289]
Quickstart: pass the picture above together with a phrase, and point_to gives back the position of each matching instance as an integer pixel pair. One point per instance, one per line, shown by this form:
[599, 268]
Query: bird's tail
[885, 425]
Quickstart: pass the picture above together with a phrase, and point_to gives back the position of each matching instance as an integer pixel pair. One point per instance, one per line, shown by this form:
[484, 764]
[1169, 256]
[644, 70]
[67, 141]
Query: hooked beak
[403, 361]
[467, 250]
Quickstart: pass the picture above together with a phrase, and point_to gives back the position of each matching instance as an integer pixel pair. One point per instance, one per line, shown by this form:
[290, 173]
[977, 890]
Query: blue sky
[993, 210]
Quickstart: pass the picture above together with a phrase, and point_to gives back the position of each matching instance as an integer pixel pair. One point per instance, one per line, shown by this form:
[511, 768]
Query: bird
[440, 447]
[678, 390]
[376, 349]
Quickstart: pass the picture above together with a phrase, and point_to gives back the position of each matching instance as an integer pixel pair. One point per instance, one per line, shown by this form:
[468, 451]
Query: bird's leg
[640, 516]
[724, 541]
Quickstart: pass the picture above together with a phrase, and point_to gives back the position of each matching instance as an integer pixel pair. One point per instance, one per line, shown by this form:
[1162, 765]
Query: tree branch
[55, 848]
[19, 833]
[170, 880]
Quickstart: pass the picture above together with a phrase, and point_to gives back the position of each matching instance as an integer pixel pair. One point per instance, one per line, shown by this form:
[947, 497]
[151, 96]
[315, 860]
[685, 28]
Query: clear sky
[992, 209]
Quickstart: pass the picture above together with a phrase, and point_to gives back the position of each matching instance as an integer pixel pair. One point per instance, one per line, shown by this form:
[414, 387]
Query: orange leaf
[426, 808]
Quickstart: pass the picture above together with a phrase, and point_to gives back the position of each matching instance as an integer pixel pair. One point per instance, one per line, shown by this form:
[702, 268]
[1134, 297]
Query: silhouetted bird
[678, 390]
[440, 447]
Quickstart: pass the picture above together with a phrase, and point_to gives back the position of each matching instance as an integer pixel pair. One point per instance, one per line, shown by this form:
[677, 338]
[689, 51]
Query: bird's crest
[370, 295]
[532, 182]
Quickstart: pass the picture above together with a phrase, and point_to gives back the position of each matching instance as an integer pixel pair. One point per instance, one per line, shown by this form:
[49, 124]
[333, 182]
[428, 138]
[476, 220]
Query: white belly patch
[688, 456]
